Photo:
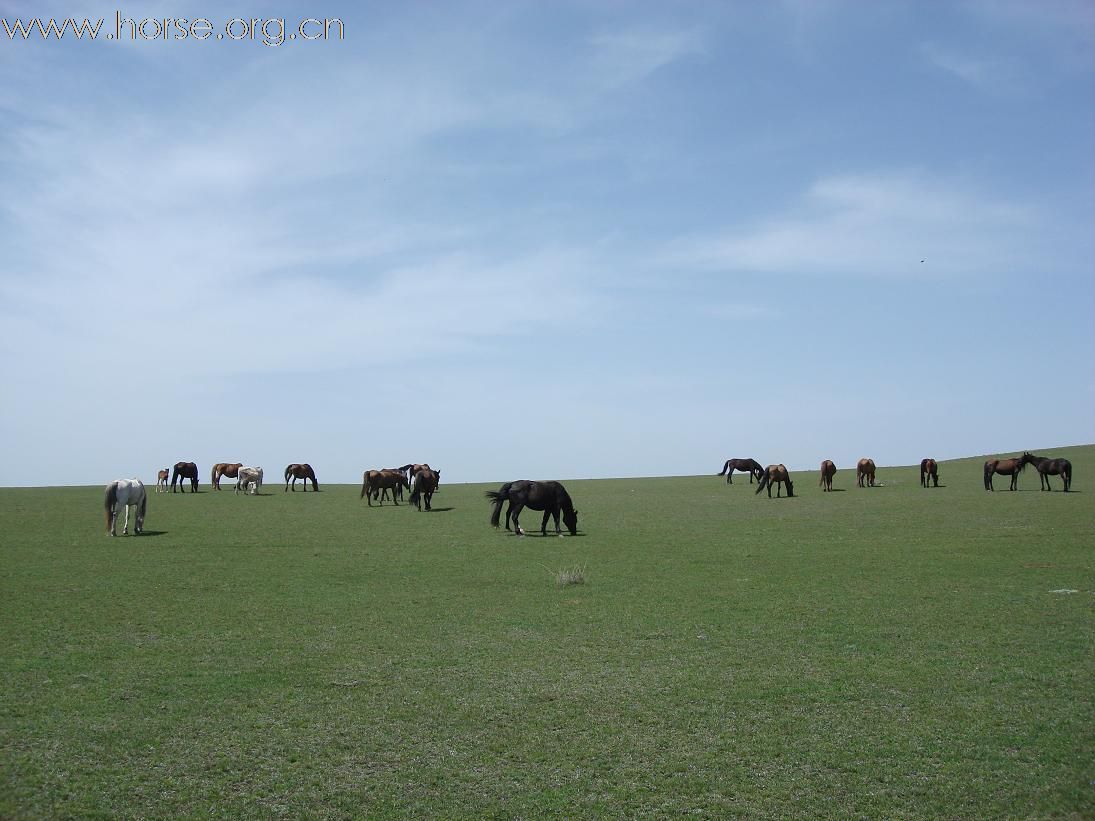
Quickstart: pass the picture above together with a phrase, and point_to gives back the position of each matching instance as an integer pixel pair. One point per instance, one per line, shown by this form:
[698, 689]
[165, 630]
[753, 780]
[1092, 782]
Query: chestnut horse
[929, 472]
[750, 466]
[374, 481]
[161, 480]
[1053, 467]
[864, 473]
[828, 471]
[185, 470]
[1006, 467]
[550, 497]
[304, 472]
[779, 475]
[229, 469]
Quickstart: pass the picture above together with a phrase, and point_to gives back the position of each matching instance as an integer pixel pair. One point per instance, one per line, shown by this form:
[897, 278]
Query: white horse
[126, 493]
[250, 479]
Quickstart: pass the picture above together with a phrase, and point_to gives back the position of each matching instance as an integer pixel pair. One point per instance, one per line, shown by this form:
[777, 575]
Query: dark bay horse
[550, 497]
[1006, 467]
[374, 481]
[750, 466]
[1053, 467]
[828, 471]
[929, 472]
[304, 472]
[864, 473]
[229, 469]
[425, 483]
[779, 475]
[185, 470]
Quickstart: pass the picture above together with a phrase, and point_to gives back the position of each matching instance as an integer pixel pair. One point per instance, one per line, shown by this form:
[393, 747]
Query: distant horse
[425, 483]
[929, 472]
[550, 497]
[185, 470]
[864, 473]
[249, 479]
[828, 471]
[125, 493]
[229, 469]
[750, 466]
[396, 490]
[1053, 467]
[779, 475]
[1006, 467]
[374, 481]
[410, 470]
[161, 480]
[304, 472]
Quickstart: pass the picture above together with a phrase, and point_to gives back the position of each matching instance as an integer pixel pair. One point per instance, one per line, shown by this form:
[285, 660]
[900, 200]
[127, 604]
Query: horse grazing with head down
[249, 480]
[229, 469]
[304, 472]
[550, 497]
[125, 493]
[1053, 467]
[780, 476]
[929, 472]
[1006, 467]
[828, 471]
[750, 466]
[161, 480]
[425, 483]
[373, 482]
[864, 473]
[185, 470]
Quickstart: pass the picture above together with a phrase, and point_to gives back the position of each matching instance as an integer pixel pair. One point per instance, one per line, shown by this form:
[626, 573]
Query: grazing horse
[1006, 467]
[374, 481]
[1053, 467]
[229, 469]
[425, 483]
[304, 472]
[929, 472]
[185, 470]
[550, 497]
[249, 479]
[828, 471]
[125, 493]
[161, 480]
[750, 466]
[864, 473]
[779, 475]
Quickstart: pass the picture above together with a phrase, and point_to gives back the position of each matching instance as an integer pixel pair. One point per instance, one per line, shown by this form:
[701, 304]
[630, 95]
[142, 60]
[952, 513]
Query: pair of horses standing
[1046, 467]
[247, 478]
[420, 479]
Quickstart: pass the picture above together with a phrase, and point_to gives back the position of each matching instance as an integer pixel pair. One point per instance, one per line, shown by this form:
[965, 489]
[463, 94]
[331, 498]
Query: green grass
[886, 652]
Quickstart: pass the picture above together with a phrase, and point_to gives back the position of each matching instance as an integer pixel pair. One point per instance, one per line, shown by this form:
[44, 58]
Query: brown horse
[779, 475]
[750, 466]
[304, 472]
[161, 480]
[1006, 467]
[929, 472]
[425, 483]
[864, 473]
[828, 471]
[1053, 467]
[229, 469]
[185, 470]
[374, 481]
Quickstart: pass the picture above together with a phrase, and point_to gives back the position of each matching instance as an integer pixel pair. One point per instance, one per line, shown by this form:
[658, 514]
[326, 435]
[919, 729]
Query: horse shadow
[145, 533]
[440, 509]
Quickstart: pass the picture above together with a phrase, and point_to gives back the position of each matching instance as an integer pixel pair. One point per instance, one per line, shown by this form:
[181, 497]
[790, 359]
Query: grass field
[886, 652]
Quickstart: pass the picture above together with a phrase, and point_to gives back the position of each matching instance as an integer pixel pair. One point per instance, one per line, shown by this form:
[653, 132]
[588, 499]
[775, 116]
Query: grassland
[886, 652]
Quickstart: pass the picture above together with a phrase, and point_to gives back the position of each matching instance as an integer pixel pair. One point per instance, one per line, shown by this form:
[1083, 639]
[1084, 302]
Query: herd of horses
[929, 473]
[550, 497]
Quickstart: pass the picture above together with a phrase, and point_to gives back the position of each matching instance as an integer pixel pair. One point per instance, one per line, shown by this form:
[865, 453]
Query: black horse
[185, 470]
[750, 466]
[1053, 467]
[425, 483]
[550, 497]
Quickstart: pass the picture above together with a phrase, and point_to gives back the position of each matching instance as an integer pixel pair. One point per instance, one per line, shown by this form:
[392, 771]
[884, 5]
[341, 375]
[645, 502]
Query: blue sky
[549, 240]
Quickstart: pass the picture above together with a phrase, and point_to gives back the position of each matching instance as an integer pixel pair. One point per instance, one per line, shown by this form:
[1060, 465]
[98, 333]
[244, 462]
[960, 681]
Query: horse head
[570, 519]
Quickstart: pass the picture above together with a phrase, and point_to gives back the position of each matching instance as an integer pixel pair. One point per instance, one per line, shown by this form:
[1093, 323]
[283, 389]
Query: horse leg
[517, 508]
[558, 530]
[730, 476]
[543, 524]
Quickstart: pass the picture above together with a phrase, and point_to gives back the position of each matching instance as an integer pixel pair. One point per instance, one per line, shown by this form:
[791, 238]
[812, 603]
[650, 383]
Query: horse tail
[498, 497]
[364, 484]
[724, 469]
[109, 502]
[142, 508]
[763, 483]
